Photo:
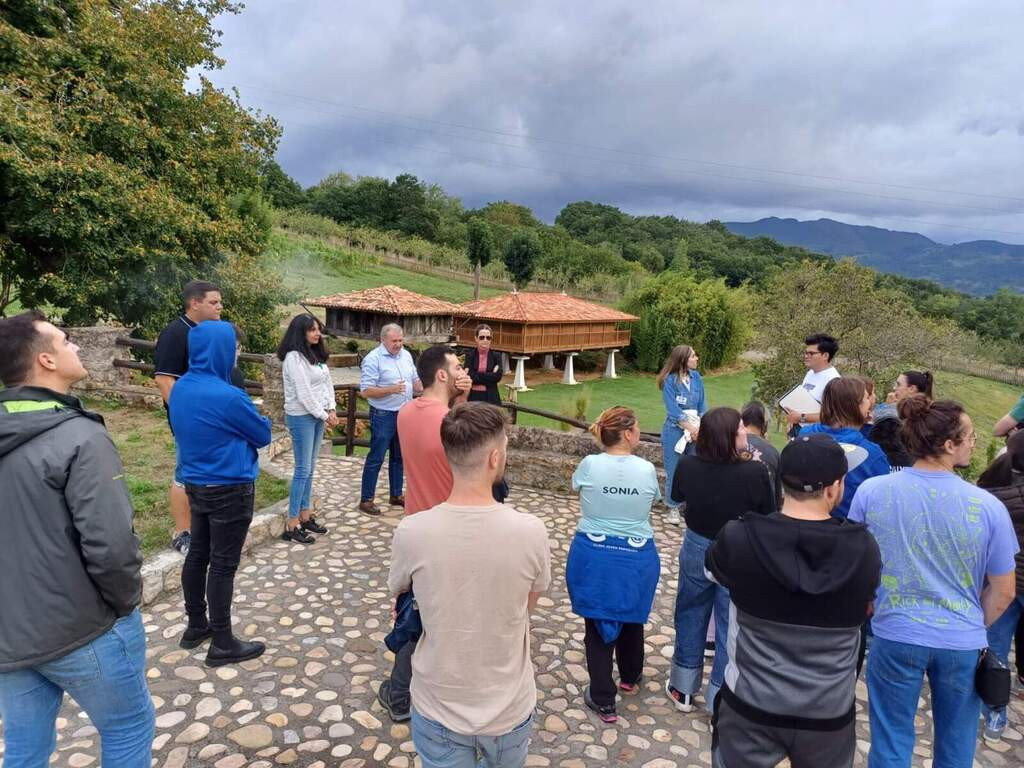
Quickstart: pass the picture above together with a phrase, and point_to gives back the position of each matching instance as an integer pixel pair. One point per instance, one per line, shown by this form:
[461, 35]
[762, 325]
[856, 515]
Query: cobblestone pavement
[323, 609]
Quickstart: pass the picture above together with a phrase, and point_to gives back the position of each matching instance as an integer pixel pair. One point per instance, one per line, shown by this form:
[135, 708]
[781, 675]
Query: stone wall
[97, 349]
[545, 459]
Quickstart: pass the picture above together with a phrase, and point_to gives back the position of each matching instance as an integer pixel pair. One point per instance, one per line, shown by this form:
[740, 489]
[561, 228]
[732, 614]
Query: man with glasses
[387, 380]
[819, 351]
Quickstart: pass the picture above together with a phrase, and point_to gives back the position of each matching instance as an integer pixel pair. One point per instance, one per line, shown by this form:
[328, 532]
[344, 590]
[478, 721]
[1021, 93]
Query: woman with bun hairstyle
[613, 567]
[885, 428]
[947, 572]
[844, 409]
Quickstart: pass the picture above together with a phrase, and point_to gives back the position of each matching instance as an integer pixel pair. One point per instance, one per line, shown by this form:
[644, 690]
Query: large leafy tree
[521, 255]
[480, 248]
[118, 179]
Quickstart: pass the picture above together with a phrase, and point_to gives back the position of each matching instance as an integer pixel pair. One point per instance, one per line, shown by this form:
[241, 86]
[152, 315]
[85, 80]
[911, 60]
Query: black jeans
[221, 515]
[401, 677]
[629, 655]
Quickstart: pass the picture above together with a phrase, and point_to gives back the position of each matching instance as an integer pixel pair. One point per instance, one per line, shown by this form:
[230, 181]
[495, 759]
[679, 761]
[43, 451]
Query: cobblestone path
[323, 610]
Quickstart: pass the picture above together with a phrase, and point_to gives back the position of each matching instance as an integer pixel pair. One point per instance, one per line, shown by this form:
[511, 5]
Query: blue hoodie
[875, 465]
[216, 426]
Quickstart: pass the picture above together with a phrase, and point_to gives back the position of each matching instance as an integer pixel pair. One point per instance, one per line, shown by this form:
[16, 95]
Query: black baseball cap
[812, 462]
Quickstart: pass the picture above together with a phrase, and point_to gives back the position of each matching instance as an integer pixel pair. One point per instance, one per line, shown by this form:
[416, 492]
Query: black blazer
[488, 378]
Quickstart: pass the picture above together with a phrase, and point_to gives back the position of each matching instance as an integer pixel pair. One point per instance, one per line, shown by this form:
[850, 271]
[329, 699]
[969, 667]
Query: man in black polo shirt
[202, 301]
[801, 584]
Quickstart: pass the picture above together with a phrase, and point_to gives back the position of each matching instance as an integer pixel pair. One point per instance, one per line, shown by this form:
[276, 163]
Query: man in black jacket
[800, 583]
[70, 583]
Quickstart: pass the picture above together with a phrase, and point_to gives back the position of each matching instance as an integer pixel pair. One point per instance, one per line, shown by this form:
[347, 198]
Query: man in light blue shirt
[388, 381]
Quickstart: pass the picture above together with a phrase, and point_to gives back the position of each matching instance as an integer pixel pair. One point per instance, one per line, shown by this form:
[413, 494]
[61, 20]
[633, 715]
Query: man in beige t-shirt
[477, 568]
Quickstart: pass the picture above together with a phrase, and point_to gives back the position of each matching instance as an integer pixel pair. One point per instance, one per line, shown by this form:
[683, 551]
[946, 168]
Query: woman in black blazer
[485, 382]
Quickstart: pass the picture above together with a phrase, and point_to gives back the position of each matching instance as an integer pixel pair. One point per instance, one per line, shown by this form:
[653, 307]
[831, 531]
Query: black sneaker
[240, 650]
[607, 713]
[313, 526]
[181, 542]
[297, 535]
[397, 714]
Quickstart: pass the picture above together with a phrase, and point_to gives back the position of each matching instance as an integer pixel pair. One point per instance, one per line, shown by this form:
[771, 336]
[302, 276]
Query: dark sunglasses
[482, 338]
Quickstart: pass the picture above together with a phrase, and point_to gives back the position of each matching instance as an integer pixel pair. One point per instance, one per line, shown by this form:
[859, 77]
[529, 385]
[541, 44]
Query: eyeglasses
[972, 438]
[484, 338]
[809, 353]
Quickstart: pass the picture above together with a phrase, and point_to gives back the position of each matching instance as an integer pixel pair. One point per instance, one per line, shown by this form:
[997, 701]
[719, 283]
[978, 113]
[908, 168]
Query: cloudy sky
[902, 115]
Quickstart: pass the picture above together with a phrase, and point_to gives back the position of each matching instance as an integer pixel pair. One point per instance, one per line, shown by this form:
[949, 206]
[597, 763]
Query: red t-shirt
[426, 466]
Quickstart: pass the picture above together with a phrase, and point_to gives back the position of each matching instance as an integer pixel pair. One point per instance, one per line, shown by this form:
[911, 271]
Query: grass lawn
[986, 401]
[147, 450]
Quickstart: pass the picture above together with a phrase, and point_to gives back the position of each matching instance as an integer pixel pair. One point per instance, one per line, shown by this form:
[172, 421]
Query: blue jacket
[876, 463]
[678, 398]
[216, 426]
[612, 580]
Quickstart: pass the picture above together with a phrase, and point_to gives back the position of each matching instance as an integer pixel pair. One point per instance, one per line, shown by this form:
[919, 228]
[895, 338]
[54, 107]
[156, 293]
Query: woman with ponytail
[613, 566]
[947, 573]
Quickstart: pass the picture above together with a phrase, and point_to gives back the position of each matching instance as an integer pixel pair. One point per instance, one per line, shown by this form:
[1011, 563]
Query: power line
[558, 172]
[530, 137]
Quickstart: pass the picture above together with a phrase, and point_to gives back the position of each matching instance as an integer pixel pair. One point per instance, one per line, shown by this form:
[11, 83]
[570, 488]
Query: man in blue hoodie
[218, 431]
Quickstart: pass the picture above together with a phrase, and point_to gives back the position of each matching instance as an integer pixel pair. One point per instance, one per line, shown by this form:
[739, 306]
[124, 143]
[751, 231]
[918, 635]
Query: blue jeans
[383, 439]
[439, 747]
[696, 597]
[1000, 634]
[671, 433]
[107, 678]
[895, 674]
[307, 431]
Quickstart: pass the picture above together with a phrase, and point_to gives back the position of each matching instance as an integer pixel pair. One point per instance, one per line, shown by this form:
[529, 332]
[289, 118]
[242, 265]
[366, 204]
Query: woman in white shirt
[309, 407]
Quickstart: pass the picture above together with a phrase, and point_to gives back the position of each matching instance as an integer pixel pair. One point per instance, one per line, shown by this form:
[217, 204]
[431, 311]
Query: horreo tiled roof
[543, 308]
[388, 300]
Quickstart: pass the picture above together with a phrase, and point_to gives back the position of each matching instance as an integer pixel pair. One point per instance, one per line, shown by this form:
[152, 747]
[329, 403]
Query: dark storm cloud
[662, 107]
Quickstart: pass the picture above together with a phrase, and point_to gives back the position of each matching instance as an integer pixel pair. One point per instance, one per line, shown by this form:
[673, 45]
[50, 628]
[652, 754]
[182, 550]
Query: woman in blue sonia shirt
[682, 389]
[613, 566]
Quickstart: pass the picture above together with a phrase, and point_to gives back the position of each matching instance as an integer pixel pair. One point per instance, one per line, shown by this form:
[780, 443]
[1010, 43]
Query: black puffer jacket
[1013, 497]
[69, 559]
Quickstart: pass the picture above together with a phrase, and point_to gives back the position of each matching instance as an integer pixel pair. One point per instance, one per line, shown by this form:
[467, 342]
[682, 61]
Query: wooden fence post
[350, 421]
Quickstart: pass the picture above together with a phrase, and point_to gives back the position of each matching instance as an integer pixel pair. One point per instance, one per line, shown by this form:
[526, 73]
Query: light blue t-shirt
[939, 535]
[616, 494]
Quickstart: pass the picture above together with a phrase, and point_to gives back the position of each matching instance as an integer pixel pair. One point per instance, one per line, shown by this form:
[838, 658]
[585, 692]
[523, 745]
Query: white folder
[799, 400]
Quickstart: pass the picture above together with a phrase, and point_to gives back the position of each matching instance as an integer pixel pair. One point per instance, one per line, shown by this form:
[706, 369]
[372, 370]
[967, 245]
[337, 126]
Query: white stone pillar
[568, 376]
[609, 368]
[505, 364]
[519, 381]
[549, 362]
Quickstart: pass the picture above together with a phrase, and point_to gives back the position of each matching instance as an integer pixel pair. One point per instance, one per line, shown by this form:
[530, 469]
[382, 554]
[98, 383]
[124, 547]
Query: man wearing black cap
[801, 584]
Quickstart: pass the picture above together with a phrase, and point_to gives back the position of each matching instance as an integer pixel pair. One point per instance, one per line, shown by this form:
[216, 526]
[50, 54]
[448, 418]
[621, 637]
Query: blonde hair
[613, 422]
[678, 361]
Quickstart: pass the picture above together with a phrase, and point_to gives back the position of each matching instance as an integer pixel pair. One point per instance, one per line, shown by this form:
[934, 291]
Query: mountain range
[979, 267]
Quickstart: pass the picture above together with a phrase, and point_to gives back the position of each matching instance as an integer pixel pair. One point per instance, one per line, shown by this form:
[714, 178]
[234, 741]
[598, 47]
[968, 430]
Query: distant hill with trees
[978, 267]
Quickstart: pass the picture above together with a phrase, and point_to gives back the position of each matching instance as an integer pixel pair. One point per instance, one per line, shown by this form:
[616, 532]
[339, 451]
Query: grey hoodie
[69, 559]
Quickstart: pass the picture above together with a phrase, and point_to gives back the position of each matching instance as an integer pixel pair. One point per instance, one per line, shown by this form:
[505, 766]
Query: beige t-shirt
[472, 569]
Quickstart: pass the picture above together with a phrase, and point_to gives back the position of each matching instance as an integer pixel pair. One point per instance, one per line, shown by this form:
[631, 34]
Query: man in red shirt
[428, 476]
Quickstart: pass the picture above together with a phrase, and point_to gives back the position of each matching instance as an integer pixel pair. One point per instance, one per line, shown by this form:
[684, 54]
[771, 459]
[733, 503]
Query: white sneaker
[673, 516]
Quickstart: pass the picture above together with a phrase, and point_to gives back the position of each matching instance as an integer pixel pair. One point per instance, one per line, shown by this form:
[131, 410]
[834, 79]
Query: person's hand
[891, 397]
[332, 419]
[394, 615]
[690, 428]
[463, 383]
[496, 369]
[398, 389]
[792, 417]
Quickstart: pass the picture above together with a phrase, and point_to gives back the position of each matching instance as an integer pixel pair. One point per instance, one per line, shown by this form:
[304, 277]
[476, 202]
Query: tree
[675, 308]
[280, 189]
[116, 179]
[521, 257]
[480, 249]
[879, 331]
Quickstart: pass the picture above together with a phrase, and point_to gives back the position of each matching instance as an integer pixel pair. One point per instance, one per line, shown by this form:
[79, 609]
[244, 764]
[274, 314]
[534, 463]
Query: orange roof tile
[388, 300]
[543, 308]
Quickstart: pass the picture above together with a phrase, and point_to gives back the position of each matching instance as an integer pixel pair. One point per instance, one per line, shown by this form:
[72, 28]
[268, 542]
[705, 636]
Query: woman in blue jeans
[718, 484]
[947, 572]
[682, 389]
[309, 408]
[1004, 479]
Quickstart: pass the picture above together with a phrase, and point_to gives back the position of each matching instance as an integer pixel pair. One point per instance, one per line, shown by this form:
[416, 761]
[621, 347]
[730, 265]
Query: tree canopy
[116, 181]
